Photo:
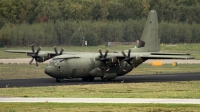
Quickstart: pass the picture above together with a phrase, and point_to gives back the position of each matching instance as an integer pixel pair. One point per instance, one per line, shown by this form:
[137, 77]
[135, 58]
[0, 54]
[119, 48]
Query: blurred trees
[47, 22]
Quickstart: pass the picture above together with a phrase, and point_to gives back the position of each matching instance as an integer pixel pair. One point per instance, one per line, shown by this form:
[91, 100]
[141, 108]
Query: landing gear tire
[59, 79]
[91, 78]
[84, 79]
[109, 79]
[105, 79]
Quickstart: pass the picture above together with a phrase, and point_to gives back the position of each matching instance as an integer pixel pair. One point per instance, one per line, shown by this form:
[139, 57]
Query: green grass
[21, 71]
[176, 89]
[90, 107]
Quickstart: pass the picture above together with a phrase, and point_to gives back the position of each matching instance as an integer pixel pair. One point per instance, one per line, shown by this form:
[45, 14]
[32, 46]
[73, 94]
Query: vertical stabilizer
[149, 41]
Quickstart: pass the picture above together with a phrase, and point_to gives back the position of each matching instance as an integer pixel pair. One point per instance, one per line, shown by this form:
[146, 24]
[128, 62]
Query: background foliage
[65, 22]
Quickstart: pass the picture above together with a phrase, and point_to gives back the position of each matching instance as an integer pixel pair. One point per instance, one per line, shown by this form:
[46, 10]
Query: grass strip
[91, 107]
[182, 89]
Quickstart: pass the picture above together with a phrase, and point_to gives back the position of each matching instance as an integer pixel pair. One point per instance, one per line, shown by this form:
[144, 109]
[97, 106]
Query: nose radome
[49, 70]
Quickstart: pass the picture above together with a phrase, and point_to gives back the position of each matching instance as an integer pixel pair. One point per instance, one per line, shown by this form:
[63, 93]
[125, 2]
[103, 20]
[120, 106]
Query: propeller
[104, 58]
[61, 51]
[128, 57]
[35, 55]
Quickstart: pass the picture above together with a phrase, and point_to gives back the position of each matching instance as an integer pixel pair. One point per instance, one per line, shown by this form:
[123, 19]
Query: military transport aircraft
[107, 66]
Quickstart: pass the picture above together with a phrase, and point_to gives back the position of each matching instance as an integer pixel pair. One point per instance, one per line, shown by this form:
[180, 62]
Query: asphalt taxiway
[125, 79]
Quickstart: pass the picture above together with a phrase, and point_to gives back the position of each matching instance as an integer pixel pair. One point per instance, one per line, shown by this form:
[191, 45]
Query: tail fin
[149, 41]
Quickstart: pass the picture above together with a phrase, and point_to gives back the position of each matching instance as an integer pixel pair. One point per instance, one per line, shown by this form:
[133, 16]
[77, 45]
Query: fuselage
[88, 65]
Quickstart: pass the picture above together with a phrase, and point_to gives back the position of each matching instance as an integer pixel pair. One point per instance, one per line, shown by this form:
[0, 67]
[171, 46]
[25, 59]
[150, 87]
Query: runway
[102, 100]
[125, 79]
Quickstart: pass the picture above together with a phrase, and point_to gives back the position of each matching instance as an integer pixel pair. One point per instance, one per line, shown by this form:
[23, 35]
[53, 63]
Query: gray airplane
[106, 65]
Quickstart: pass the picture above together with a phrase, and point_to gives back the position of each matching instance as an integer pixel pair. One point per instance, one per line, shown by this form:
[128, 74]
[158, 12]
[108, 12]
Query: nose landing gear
[88, 78]
[59, 79]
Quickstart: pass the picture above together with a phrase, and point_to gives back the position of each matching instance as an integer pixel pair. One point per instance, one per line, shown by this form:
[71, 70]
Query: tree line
[65, 22]
[95, 32]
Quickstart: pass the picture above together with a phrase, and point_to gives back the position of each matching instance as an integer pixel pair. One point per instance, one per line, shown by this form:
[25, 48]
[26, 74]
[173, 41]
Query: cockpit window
[57, 60]
[53, 61]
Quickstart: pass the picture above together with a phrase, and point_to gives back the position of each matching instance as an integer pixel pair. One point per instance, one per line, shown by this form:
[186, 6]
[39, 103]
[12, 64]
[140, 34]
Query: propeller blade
[32, 47]
[124, 53]
[35, 55]
[62, 51]
[127, 58]
[31, 61]
[106, 53]
[100, 53]
[55, 49]
[129, 53]
[38, 50]
[104, 59]
[36, 63]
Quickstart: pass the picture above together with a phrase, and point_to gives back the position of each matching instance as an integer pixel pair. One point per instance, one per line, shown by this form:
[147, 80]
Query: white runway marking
[102, 100]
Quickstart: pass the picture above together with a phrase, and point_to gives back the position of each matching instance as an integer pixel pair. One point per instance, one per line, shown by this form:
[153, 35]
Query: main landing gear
[92, 79]
[105, 79]
[88, 78]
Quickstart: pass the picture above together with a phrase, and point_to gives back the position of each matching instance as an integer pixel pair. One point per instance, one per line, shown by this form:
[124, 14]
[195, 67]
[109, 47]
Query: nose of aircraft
[49, 70]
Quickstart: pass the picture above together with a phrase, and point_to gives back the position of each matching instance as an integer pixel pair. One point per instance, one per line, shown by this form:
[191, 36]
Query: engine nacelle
[42, 57]
[123, 69]
[96, 72]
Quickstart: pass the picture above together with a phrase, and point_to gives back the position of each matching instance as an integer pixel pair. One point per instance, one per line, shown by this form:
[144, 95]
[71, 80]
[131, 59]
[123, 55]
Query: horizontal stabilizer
[167, 57]
[160, 53]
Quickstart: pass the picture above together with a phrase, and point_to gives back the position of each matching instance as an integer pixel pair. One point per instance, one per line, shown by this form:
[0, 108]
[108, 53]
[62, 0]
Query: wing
[18, 51]
[37, 54]
[51, 54]
[167, 56]
[65, 57]
[154, 55]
